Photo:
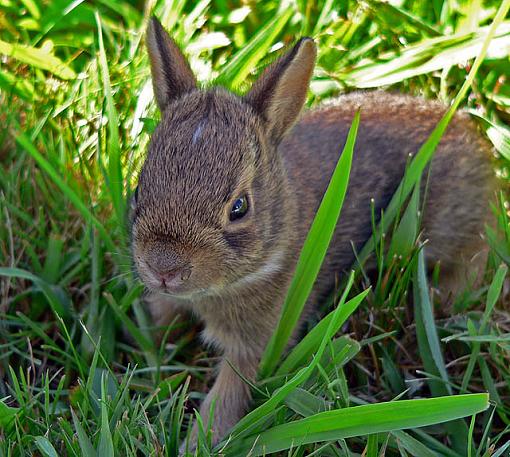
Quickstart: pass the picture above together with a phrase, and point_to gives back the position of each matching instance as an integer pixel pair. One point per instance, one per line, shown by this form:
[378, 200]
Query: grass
[80, 373]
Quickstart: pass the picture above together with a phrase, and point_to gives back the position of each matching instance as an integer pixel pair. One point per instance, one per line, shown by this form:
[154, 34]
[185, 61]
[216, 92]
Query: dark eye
[239, 208]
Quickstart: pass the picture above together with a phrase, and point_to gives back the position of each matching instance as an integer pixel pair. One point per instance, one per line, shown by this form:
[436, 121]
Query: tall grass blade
[312, 254]
[85, 444]
[362, 420]
[115, 178]
[426, 329]
[430, 349]
[404, 237]
[105, 448]
[48, 167]
[37, 57]
[312, 340]
[245, 60]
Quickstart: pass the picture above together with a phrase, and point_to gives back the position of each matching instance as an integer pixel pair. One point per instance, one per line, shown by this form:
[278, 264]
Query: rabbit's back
[392, 127]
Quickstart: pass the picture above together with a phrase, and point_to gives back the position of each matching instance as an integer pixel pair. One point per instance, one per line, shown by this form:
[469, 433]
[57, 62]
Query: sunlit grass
[80, 372]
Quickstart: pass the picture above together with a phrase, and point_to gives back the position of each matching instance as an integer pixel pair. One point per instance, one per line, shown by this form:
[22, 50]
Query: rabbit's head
[211, 208]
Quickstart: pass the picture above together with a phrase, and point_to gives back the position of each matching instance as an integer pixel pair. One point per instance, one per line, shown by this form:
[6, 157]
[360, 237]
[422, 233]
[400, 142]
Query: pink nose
[172, 278]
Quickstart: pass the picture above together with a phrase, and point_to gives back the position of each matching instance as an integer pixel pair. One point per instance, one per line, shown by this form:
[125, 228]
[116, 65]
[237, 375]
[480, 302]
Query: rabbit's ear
[171, 74]
[280, 93]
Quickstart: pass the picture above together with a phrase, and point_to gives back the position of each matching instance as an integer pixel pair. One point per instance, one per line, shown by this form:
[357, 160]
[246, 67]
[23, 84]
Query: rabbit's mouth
[192, 295]
[176, 291]
[181, 283]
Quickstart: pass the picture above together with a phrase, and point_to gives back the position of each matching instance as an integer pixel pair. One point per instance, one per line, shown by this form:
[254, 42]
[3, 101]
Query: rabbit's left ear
[280, 93]
[171, 74]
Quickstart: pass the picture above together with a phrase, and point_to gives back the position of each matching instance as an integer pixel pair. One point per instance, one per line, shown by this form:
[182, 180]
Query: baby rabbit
[230, 187]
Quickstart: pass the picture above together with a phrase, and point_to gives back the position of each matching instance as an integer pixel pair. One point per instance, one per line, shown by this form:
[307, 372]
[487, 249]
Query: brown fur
[212, 146]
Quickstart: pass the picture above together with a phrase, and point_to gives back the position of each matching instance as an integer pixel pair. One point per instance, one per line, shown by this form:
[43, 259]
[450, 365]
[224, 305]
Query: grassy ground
[80, 373]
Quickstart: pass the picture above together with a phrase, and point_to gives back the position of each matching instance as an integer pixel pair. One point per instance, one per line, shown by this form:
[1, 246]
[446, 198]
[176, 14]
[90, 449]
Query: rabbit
[231, 184]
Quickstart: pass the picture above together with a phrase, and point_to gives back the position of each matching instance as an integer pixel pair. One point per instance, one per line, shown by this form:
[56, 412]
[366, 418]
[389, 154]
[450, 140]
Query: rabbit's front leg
[230, 395]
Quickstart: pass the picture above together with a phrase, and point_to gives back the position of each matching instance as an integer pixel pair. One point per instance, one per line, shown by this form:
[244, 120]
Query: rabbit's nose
[172, 278]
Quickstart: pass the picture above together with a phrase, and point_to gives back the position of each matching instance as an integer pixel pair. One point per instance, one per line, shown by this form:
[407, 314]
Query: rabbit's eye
[239, 208]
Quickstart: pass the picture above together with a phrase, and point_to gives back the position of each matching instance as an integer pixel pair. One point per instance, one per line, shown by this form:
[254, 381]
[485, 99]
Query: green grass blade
[172, 13]
[435, 444]
[501, 451]
[144, 343]
[470, 437]
[404, 238]
[428, 339]
[362, 420]
[59, 307]
[53, 261]
[412, 445]
[425, 57]
[115, 178]
[245, 60]
[321, 21]
[493, 295]
[50, 21]
[305, 403]
[498, 134]
[45, 447]
[396, 14]
[105, 448]
[372, 449]
[16, 85]
[7, 414]
[312, 254]
[430, 349]
[38, 58]
[85, 444]
[311, 342]
[48, 167]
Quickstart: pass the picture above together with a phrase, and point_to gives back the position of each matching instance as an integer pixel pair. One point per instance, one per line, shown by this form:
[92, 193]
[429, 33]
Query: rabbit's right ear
[171, 74]
[280, 93]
